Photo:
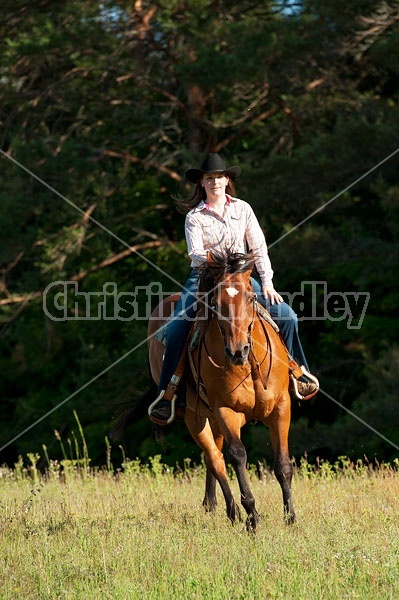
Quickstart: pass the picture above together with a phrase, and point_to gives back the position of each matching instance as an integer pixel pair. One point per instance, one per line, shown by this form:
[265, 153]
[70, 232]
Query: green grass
[143, 534]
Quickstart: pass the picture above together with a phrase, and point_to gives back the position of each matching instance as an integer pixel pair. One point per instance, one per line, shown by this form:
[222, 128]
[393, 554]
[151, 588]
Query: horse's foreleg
[216, 467]
[238, 457]
[210, 500]
[282, 464]
[231, 423]
[283, 471]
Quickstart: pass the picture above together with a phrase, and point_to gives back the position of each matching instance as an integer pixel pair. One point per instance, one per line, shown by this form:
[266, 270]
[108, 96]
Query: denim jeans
[184, 314]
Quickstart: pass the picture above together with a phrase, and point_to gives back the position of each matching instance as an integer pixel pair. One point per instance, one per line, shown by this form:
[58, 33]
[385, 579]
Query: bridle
[255, 371]
[216, 315]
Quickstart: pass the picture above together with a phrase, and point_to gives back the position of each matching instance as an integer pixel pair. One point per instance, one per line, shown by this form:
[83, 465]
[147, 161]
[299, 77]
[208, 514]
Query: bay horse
[238, 372]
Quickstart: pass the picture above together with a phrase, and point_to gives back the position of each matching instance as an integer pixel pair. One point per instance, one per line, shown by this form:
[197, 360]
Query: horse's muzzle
[239, 356]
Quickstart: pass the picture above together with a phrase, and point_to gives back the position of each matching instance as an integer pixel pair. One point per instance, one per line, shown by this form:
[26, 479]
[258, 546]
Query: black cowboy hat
[212, 164]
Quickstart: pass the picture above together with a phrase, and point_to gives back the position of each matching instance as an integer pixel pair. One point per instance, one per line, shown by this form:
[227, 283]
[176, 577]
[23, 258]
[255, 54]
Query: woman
[217, 221]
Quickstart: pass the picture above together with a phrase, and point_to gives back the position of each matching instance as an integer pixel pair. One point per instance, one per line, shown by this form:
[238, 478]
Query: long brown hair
[184, 206]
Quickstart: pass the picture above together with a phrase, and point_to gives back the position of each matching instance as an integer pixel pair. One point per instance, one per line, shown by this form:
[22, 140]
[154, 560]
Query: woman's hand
[270, 294]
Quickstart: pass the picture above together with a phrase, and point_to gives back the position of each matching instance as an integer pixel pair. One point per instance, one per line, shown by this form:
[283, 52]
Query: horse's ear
[209, 259]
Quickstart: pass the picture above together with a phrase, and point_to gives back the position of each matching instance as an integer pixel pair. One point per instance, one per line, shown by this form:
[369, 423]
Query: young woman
[218, 221]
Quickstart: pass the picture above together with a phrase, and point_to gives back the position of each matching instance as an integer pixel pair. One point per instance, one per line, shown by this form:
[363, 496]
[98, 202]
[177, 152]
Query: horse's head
[232, 299]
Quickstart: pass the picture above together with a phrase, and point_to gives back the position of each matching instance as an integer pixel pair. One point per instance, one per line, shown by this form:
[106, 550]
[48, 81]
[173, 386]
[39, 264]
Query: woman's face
[214, 184]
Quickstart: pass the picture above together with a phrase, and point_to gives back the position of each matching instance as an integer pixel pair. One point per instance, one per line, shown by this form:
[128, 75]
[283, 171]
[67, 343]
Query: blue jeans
[184, 315]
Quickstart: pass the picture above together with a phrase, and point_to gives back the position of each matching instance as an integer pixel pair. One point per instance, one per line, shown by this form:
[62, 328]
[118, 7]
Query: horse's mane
[219, 264]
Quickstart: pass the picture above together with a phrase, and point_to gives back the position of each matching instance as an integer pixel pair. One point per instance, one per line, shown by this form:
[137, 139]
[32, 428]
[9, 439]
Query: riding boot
[163, 411]
[304, 384]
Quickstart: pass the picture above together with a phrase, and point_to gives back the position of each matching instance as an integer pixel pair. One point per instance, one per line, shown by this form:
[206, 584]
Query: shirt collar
[203, 205]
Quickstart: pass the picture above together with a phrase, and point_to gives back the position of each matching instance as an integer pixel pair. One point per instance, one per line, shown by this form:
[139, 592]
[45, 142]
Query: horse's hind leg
[209, 501]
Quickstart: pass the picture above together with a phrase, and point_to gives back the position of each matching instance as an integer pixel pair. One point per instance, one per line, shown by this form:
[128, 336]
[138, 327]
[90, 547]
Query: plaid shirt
[238, 230]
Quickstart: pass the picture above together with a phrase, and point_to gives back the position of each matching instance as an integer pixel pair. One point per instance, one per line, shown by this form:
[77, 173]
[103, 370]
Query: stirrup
[312, 378]
[172, 407]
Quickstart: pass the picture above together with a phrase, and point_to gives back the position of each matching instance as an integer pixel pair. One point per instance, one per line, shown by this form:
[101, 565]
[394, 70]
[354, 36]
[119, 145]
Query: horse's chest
[236, 391]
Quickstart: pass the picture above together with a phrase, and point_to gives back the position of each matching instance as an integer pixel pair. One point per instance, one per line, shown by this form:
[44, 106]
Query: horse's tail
[130, 411]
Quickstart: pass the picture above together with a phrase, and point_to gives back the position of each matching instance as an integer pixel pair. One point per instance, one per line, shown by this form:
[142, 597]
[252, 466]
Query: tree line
[103, 107]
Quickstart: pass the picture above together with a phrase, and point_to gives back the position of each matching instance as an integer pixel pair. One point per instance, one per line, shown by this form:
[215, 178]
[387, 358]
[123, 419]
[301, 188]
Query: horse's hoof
[252, 523]
[234, 514]
[290, 518]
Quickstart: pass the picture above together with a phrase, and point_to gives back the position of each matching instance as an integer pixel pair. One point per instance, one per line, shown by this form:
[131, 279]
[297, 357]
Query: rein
[268, 351]
[208, 354]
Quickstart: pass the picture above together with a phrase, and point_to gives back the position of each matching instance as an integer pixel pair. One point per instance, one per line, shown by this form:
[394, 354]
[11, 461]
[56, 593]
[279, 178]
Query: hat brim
[194, 175]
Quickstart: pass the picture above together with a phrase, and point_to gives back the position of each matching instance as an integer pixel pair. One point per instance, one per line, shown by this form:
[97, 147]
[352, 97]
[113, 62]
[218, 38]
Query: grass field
[142, 533]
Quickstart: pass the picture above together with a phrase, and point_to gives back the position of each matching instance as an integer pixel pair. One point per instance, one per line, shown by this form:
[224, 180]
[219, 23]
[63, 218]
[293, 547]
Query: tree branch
[130, 158]
[79, 276]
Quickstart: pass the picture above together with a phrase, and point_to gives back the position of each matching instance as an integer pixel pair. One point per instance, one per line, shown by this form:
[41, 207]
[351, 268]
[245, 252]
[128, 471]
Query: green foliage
[371, 424]
[103, 106]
